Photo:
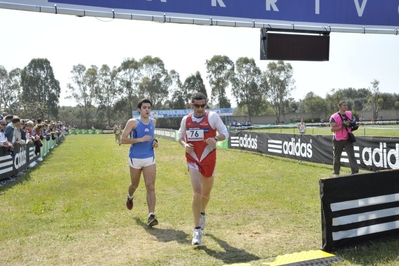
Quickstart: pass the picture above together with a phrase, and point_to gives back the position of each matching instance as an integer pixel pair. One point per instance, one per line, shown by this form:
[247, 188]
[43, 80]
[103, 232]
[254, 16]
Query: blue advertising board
[183, 112]
[347, 12]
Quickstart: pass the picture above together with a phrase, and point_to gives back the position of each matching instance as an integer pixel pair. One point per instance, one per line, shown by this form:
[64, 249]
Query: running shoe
[152, 220]
[197, 237]
[129, 203]
[202, 221]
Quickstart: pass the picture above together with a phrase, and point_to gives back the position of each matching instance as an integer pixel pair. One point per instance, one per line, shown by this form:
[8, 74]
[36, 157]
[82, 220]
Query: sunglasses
[199, 105]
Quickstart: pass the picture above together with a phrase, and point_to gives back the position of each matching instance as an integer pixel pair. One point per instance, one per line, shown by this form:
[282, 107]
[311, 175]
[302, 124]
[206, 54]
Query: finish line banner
[351, 15]
[183, 112]
[357, 12]
[374, 153]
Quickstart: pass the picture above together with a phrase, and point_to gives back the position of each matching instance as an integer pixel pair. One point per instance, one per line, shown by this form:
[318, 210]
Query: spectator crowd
[15, 131]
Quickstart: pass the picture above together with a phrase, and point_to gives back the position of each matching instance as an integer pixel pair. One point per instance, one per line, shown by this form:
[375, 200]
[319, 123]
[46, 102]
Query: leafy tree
[279, 85]
[155, 81]
[121, 108]
[315, 105]
[245, 85]
[107, 91]
[82, 90]
[360, 101]
[220, 69]
[375, 100]
[193, 84]
[293, 105]
[178, 95]
[388, 101]
[396, 107]
[128, 76]
[69, 114]
[40, 90]
[356, 99]
[333, 99]
[10, 86]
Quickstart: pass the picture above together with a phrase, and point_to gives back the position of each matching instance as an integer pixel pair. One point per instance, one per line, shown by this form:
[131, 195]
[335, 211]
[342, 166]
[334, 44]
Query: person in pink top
[340, 126]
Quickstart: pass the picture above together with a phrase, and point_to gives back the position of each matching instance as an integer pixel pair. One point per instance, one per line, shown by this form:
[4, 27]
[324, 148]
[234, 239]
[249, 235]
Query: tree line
[106, 95]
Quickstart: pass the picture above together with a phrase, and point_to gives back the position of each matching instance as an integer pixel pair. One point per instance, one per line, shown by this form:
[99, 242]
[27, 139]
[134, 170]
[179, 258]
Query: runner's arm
[217, 123]
[182, 132]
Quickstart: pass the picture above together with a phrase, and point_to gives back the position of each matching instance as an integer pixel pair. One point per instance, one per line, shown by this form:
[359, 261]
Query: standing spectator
[29, 133]
[23, 132]
[302, 127]
[8, 118]
[340, 126]
[197, 134]
[37, 137]
[3, 140]
[2, 116]
[13, 130]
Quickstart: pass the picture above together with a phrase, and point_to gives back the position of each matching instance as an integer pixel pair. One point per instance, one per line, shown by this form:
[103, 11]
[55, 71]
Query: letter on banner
[271, 4]
[360, 9]
[317, 7]
[220, 2]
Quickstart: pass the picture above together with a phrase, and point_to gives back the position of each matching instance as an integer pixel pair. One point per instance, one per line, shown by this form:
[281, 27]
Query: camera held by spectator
[352, 124]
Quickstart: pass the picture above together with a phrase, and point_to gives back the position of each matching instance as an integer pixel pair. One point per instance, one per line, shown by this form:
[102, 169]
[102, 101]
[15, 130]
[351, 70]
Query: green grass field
[70, 210]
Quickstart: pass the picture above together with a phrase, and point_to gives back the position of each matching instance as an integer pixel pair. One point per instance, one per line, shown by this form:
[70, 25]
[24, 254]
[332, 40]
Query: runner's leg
[149, 173]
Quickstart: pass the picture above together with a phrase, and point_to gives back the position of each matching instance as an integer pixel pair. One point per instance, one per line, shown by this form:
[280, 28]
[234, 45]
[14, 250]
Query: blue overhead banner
[183, 112]
[346, 12]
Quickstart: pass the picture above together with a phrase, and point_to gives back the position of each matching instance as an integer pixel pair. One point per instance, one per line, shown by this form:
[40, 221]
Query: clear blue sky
[355, 59]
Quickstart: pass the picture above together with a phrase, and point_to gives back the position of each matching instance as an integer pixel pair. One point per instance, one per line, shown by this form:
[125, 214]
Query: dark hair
[341, 102]
[9, 117]
[198, 96]
[15, 119]
[143, 101]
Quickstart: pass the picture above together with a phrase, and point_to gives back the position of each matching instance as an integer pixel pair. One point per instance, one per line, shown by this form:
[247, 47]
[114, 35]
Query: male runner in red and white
[197, 134]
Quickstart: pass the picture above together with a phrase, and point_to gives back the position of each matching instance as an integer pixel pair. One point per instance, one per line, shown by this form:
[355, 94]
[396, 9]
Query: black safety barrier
[359, 208]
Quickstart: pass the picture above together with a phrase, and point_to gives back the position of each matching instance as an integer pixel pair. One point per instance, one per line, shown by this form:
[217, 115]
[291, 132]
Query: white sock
[151, 213]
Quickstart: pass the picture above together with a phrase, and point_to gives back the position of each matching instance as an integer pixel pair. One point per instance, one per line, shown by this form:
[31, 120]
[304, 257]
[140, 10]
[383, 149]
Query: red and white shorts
[207, 170]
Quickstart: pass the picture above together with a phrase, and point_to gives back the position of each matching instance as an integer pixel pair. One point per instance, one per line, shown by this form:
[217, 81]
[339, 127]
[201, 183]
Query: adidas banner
[359, 208]
[16, 161]
[372, 153]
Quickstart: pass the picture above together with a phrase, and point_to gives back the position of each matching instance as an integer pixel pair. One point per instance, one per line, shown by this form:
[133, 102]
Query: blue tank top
[142, 150]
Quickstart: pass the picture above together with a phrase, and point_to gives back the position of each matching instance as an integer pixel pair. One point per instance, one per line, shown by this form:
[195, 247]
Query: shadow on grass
[10, 182]
[230, 254]
[165, 235]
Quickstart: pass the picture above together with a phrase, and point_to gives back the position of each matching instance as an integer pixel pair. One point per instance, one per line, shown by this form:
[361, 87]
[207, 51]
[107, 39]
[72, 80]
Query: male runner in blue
[139, 133]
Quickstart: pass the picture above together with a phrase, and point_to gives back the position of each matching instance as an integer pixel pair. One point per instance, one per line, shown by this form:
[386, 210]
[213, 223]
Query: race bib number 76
[195, 134]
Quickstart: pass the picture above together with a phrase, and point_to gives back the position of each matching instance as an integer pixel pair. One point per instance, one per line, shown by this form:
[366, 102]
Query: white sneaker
[202, 221]
[197, 237]
[335, 175]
